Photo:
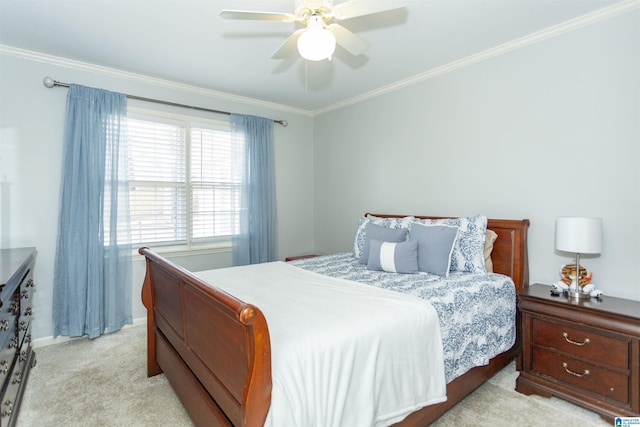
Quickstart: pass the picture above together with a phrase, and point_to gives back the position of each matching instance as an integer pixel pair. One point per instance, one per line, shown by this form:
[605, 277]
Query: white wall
[549, 130]
[31, 130]
[518, 136]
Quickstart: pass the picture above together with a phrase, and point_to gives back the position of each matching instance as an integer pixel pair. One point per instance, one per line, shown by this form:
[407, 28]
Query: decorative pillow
[361, 233]
[489, 240]
[468, 252]
[393, 257]
[435, 247]
[384, 234]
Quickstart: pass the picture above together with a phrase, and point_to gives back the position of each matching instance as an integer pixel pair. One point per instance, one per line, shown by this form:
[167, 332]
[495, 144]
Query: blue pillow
[384, 234]
[361, 231]
[468, 252]
[435, 247]
[393, 257]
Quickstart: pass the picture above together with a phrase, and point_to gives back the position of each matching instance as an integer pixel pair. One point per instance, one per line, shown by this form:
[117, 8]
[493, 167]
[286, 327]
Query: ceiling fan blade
[310, 4]
[345, 38]
[257, 16]
[289, 44]
[355, 8]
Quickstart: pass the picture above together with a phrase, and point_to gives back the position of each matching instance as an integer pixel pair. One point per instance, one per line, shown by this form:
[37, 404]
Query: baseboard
[50, 340]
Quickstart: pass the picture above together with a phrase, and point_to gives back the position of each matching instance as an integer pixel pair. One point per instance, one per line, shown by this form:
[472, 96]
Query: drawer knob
[18, 378]
[13, 307]
[575, 374]
[566, 338]
[7, 412]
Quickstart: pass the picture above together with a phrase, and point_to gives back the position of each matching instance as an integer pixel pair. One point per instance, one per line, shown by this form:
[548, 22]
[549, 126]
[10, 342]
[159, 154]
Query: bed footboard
[216, 353]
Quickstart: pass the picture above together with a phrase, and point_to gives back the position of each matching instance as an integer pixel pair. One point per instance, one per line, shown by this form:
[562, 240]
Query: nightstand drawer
[598, 348]
[605, 382]
[564, 337]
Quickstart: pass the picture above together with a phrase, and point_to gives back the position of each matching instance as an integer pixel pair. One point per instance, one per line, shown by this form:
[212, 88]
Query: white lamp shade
[579, 235]
[316, 43]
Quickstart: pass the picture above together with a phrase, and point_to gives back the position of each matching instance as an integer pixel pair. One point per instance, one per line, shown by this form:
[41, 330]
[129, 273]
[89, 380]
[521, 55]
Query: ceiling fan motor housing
[306, 8]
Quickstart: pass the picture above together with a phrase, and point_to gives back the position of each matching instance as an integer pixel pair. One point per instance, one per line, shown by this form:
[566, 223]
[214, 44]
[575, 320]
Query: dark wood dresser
[16, 355]
[584, 351]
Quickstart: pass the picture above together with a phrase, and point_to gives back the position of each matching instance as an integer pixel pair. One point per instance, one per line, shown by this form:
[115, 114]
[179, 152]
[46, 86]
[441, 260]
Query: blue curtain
[92, 273]
[255, 240]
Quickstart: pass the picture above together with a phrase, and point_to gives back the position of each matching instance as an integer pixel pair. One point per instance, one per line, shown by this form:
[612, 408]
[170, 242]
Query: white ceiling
[186, 41]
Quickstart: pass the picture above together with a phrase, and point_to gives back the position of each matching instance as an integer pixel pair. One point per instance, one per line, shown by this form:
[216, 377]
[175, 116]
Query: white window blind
[214, 185]
[183, 190]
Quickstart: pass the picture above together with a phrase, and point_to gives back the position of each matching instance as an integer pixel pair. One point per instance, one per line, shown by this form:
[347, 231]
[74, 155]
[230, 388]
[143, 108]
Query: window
[182, 187]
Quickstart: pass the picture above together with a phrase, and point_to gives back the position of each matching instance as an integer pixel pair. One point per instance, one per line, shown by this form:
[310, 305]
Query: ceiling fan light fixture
[316, 43]
[318, 40]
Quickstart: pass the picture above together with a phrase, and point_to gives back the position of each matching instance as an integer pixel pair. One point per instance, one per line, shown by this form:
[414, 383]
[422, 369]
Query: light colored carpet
[103, 383]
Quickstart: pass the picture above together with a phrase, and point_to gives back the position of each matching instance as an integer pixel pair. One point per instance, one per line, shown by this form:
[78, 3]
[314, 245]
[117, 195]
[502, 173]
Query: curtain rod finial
[284, 123]
[48, 82]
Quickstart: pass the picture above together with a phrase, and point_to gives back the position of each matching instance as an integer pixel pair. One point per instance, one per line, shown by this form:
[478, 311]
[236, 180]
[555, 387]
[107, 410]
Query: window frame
[192, 246]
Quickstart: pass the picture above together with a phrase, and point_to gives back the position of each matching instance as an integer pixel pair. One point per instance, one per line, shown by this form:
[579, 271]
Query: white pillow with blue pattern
[468, 251]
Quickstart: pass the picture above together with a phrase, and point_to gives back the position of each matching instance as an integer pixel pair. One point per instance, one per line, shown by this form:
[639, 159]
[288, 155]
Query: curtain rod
[49, 82]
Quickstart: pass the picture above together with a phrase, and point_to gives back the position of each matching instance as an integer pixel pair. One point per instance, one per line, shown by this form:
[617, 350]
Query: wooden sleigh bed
[222, 373]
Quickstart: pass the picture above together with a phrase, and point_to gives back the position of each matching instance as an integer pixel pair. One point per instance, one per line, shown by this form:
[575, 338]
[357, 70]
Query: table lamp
[580, 236]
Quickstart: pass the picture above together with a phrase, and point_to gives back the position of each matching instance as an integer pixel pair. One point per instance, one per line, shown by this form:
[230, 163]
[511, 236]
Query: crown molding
[113, 72]
[522, 42]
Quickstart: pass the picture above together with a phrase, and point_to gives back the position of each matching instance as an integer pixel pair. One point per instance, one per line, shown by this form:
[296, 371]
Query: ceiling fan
[317, 41]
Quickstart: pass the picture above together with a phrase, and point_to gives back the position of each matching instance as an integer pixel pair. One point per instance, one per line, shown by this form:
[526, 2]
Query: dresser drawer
[608, 383]
[25, 295]
[9, 399]
[585, 343]
[26, 302]
[24, 327]
[6, 360]
[8, 319]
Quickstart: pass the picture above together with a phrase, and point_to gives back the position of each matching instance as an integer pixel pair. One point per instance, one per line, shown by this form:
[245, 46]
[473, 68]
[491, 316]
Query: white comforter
[343, 353]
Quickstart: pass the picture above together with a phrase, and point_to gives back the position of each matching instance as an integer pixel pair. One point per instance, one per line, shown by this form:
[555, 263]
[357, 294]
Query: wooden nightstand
[583, 351]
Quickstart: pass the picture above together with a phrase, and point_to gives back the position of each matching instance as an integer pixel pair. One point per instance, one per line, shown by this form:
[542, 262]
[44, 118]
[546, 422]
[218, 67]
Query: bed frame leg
[153, 368]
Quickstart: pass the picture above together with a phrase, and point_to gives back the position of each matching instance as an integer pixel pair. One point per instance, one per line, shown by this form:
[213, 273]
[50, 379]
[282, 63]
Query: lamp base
[579, 295]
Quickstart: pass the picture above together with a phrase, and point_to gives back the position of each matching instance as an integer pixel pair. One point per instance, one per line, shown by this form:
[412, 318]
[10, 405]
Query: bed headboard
[509, 253]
